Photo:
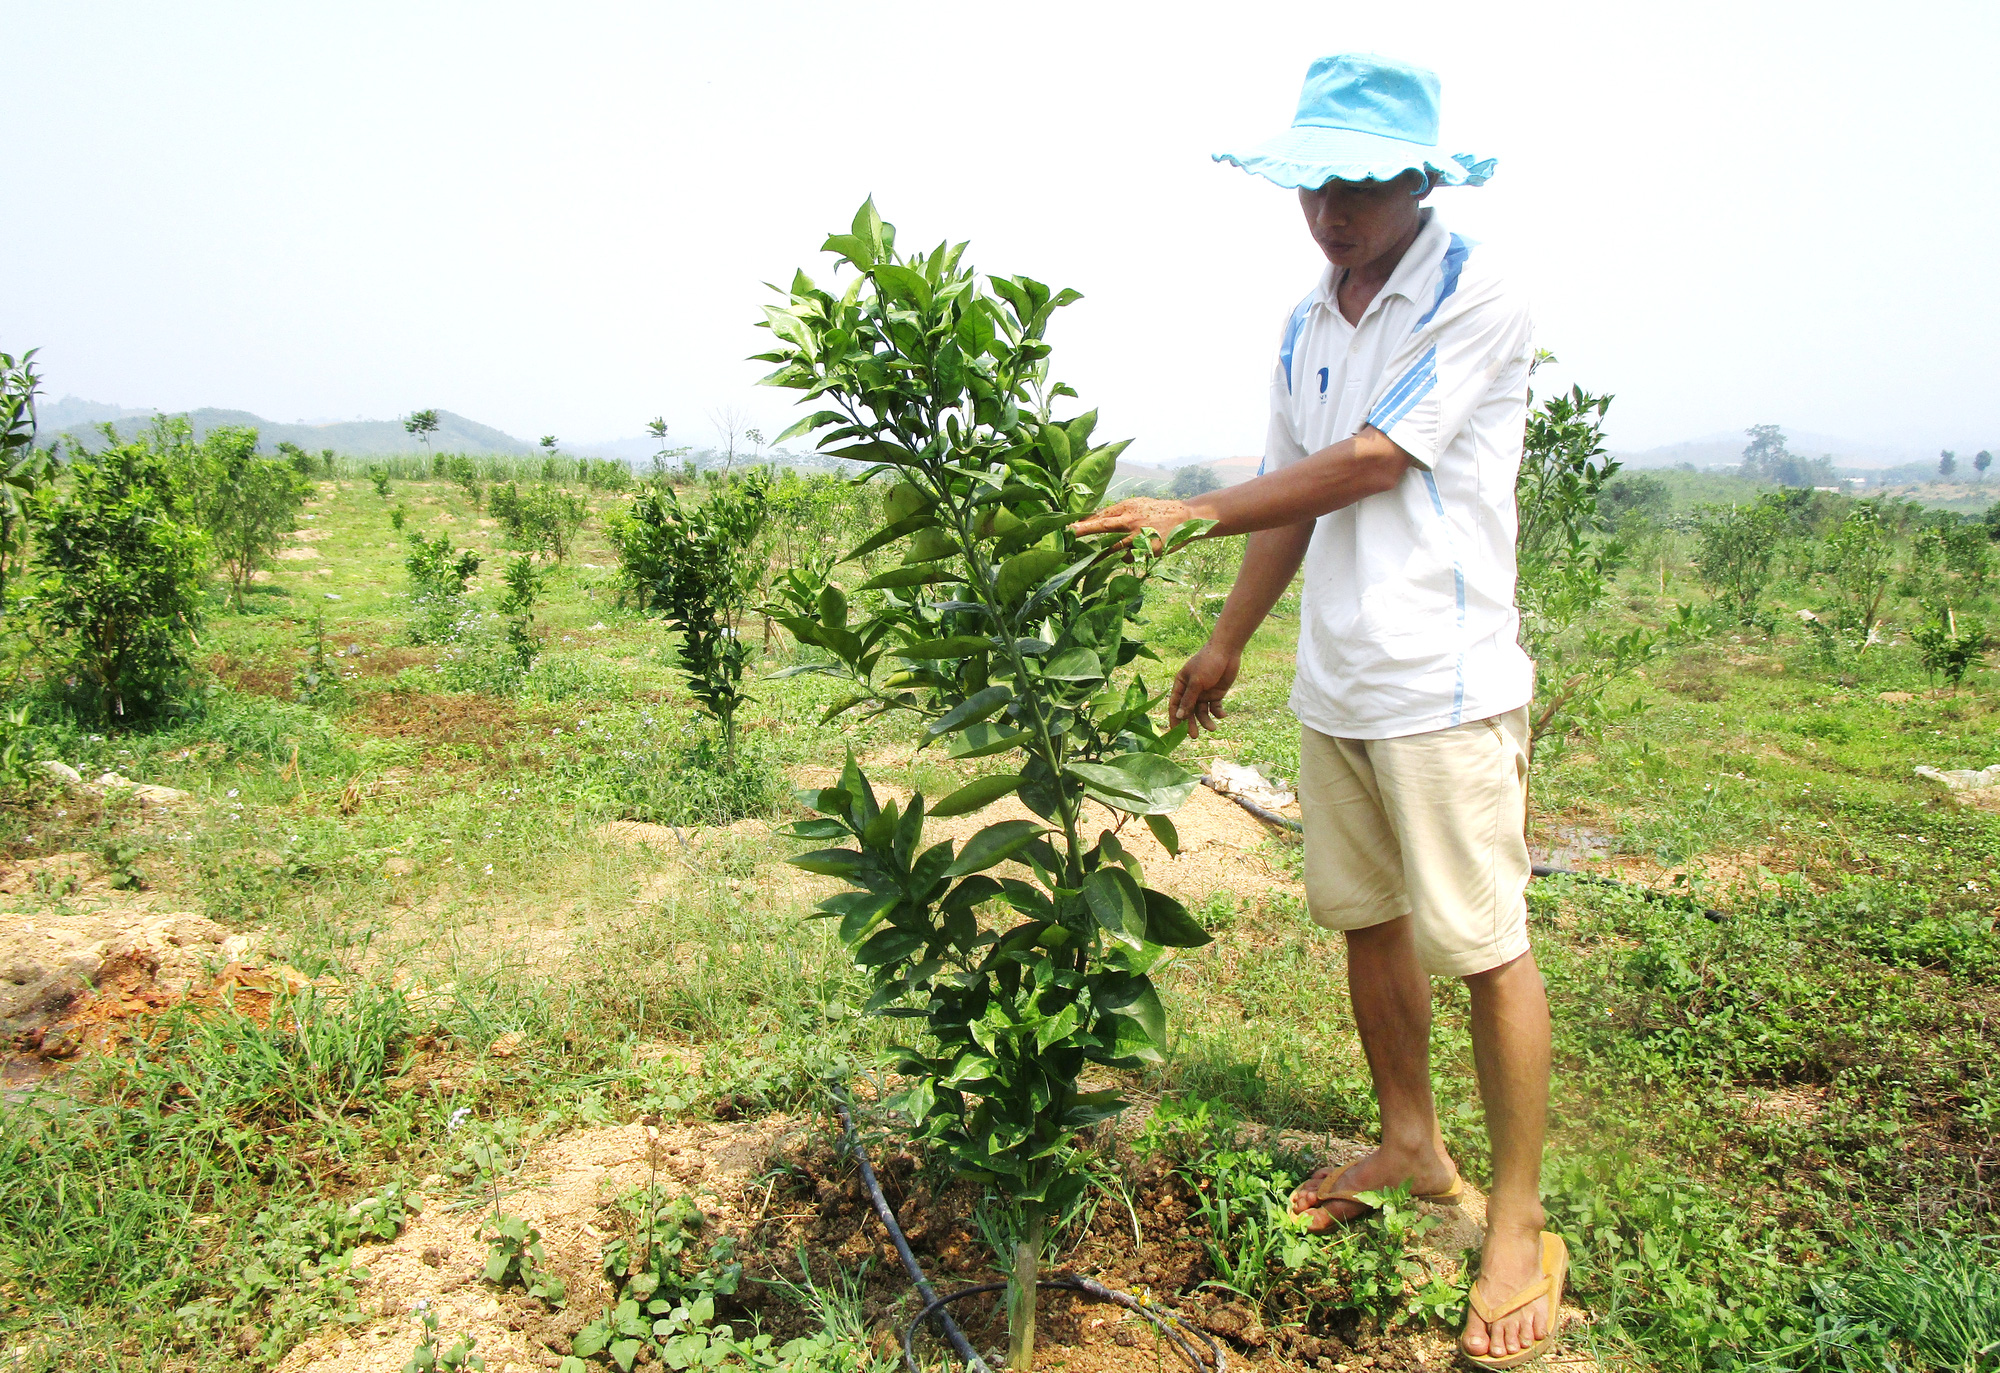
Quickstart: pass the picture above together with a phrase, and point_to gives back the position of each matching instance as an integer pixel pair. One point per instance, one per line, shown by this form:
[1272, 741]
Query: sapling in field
[1002, 636]
[696, 565]
[24, 468]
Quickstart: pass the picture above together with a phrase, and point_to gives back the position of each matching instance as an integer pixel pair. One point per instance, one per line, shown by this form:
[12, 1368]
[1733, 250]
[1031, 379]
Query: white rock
[1962, 779]
[62, 772]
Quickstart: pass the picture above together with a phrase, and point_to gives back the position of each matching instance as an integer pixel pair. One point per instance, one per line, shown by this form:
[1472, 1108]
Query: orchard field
[457, 1002]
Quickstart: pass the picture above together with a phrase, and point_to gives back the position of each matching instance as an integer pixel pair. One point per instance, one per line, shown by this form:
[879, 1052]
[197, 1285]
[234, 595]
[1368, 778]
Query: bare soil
[784, 1191]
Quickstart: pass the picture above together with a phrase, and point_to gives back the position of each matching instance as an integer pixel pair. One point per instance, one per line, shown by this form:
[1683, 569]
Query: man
[1398, 402]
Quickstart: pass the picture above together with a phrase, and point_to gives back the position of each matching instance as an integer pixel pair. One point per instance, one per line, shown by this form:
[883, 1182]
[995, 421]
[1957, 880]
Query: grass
[1771, 1130]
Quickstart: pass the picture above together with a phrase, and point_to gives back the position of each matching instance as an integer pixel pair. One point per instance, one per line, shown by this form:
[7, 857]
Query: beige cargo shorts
[1431, 826]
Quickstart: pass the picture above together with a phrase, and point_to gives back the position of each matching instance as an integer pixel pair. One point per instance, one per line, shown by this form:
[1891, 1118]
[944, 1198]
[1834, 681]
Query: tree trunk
[1021, 1296]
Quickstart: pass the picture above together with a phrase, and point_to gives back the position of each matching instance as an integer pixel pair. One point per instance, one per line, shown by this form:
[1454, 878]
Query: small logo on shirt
[1322, 384]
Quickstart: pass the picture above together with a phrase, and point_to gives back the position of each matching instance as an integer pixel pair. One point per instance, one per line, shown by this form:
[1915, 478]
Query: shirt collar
[1419, 261]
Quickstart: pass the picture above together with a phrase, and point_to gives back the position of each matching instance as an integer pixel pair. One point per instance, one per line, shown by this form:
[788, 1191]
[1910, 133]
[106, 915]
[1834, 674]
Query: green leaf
[815, 829]
[970, 893]
[913, 574]
[1139, 1022]
[972, 709]
[856, 250]
[817, 420]
[858, 911]
[843, 705]
[975, 330]
[888, 534]
[976, 794]
[1116, 904]
[954, 646]
[1164, 831]
[1137, 783]
[877, 450]
[1024, 571]
[994, 844]
[844, 863]
[977, 741]
[903, 284]
[1168, 923]
[1056, 1029]
[888, 946]
[1087, 1108]
[1074, 665]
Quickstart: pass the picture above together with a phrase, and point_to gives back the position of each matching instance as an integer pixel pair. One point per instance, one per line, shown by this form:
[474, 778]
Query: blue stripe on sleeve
[1454, 263]
[1293, 327]
[1410, 388]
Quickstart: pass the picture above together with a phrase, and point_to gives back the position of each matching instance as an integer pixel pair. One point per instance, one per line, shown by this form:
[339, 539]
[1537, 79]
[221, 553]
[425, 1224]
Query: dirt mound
[82, 933]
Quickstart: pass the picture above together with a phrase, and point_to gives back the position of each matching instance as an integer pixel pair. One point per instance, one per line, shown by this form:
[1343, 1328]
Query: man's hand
[1137, 513]
[1199, 688]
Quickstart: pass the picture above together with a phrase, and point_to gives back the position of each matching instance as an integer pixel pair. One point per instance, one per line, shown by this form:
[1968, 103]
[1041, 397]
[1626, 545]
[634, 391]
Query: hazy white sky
[556, 218]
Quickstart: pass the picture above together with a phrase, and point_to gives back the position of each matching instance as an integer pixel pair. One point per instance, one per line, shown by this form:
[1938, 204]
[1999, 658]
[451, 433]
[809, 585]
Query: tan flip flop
[1555, 1270]
[1330, 1190]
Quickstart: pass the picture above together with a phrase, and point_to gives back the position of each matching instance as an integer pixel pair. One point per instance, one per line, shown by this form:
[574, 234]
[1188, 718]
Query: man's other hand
[1199, 688]
[1132, 515]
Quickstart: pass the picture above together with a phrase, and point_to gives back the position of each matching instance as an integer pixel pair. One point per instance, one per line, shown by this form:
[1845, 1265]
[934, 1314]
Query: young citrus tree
[696, 565]
[1004, 637]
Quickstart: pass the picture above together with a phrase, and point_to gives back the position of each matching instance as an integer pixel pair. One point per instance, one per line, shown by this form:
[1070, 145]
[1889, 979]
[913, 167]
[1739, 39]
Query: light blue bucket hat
[1361, 118]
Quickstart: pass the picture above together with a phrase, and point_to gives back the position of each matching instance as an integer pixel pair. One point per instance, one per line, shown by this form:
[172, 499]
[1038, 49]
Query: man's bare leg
[1510, 1049]
[1392, 1010]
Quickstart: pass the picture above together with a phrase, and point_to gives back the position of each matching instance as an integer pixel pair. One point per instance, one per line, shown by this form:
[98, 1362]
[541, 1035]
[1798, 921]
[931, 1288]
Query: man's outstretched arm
[1270, 557]
[1365, 465]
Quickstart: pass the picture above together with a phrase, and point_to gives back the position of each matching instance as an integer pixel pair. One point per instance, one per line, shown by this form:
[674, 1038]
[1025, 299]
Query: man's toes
[1474, 1340]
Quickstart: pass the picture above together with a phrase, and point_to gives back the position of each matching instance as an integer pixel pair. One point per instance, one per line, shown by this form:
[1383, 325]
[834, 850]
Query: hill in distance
[76, 421]
[1726, 449]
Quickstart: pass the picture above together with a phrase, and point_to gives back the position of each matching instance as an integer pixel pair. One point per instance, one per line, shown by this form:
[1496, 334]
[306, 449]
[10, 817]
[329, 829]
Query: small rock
[62, 772]
[1962, 779]
[507, 1045]
[148, 794]
[433, 1256]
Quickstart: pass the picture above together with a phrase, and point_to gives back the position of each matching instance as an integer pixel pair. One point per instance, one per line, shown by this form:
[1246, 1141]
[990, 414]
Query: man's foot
[1431, 1172]
[1510, 1261]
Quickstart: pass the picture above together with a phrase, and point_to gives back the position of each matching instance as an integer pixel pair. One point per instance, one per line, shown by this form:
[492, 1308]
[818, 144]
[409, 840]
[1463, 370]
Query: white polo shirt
[1408, 623]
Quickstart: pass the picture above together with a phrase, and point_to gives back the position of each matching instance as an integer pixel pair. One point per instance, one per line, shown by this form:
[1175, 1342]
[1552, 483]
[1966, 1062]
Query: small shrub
[318, 681]
[118, 591]
[245, 504]
[438, 574]
[1948, 645]
[1734, 548]
[694, 564]
[380, 476]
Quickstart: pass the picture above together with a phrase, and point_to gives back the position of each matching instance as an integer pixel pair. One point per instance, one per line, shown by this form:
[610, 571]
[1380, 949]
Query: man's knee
[1388, 931]
[1520, 966]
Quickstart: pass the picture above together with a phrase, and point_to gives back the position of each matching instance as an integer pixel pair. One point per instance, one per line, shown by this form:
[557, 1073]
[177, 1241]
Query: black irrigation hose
[956, 1337]
[934, 1305]
[1271, 817]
